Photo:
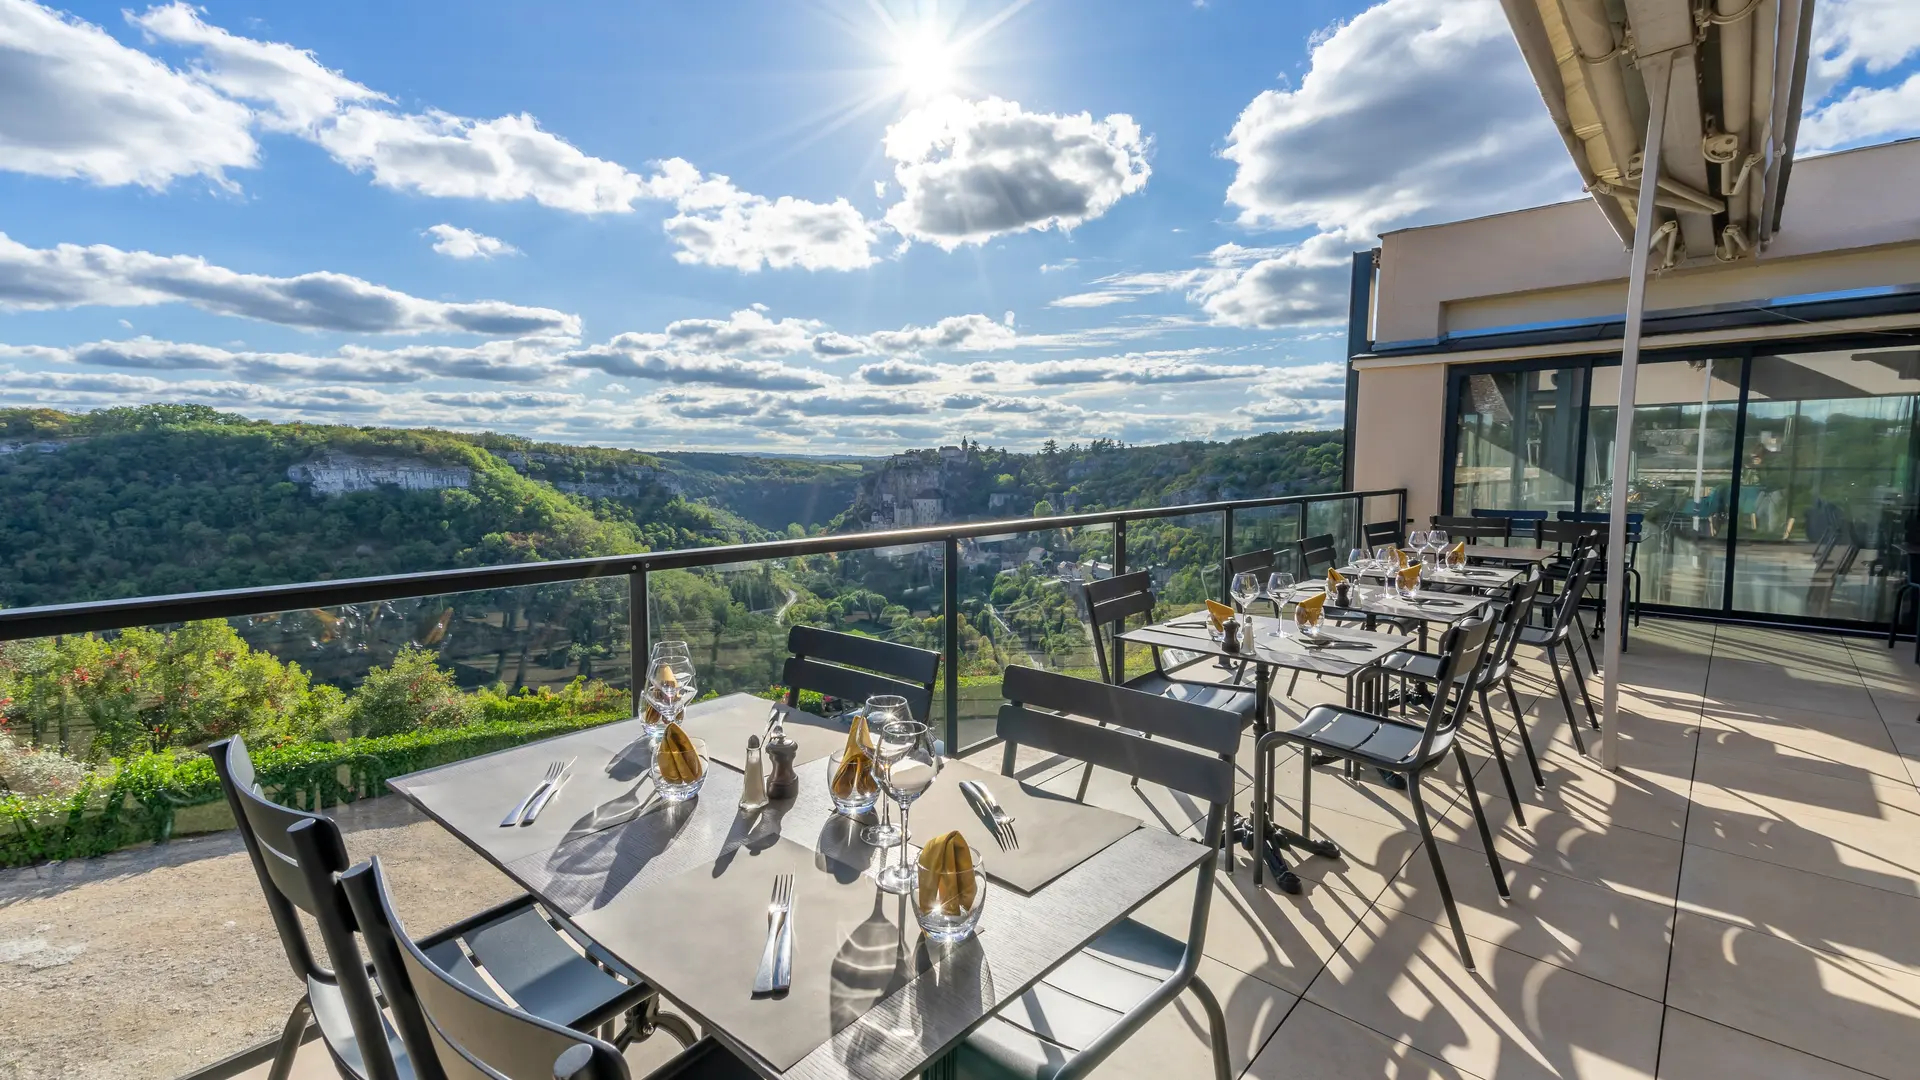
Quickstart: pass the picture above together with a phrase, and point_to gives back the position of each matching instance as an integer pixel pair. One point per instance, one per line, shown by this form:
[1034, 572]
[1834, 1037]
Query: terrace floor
[1739, 899]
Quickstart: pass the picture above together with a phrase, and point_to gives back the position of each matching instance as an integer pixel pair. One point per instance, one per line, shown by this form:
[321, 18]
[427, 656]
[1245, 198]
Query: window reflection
[1519, 436]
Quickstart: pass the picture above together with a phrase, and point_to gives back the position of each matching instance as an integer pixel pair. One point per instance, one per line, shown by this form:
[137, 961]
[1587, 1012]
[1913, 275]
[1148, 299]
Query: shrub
[411, 692]
[34, 770]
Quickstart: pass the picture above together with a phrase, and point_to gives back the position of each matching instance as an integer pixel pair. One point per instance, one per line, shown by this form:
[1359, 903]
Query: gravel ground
[155, 961]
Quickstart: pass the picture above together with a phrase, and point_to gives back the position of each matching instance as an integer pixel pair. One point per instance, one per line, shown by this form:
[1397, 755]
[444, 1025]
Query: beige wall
[1398, 434]
[1852, 220]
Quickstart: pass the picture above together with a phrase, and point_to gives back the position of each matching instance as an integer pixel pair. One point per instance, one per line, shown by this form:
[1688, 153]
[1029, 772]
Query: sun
[926, 63]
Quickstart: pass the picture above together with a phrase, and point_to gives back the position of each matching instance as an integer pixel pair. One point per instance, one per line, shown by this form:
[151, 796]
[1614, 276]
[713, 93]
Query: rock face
[337, 474]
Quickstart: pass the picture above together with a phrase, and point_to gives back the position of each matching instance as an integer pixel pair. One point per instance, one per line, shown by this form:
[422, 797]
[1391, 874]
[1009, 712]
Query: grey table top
[603, 843]
[1278, 644]
[1518, 554]
[1477, 577]
[1446, 608]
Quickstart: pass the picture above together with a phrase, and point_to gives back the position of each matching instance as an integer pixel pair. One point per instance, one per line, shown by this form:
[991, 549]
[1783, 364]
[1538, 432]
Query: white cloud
[1849, 37]
[69, 275]
[640, 356]
[1126, 288]
[717, 224]
[960, 333]
[897, 373]
[495, 361]
[297, 90]
[458, 243]
[75, 103]
[971, 170]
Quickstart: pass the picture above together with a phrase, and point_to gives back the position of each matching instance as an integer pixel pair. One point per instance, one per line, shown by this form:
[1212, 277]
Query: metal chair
[1557, 636]
[456, 1028]
[1081, 1012]
[1522, 523]
[1476, 529]
[514, 942]
[854, 668]
[1636, 527]
[1383, 533]
[1496, 669]
[1399, 746]
[1910, 587]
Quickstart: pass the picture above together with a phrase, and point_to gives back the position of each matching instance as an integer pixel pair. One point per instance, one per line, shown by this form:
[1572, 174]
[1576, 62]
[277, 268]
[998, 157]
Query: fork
[1002, 821]
[779, 907]
[553, 773]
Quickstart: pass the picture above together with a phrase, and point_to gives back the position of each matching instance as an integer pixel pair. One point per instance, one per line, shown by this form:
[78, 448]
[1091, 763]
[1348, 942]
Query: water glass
[942, 915]
[881, 710]
[854, 789]
[680, 789]
[906, 764]
[1307, 625]
[671, 684]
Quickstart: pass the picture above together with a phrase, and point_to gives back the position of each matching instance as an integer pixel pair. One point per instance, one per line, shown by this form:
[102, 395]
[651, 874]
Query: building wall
[1852, 220]
[1398, 433]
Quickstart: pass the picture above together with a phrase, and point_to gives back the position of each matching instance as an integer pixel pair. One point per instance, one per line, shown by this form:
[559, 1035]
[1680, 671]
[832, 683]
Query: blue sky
[779, 225]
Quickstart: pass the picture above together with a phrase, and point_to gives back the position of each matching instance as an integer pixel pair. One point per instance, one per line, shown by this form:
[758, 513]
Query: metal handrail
[55, 619]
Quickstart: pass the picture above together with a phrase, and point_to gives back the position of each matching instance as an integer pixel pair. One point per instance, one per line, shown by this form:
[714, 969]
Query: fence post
[639, 631]
[1226, 551]
[951, 602]
[1119, 665]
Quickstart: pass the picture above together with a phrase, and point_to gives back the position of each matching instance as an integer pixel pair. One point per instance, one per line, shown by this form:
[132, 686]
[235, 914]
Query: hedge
[139, 798]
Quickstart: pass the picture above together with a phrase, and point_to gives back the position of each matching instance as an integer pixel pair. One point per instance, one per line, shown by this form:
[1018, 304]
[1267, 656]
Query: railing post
[639, 631]
[951, 602]
[1119, 663]
[1226, 551]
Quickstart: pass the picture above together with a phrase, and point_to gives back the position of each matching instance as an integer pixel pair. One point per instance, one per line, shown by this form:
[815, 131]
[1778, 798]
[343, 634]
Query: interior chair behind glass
[853, 668]
[1902, 591]
[1083, 1011]
[1408, 748]
[1474, 530]
[1522, 523]
[455, 1029]
[295, 854]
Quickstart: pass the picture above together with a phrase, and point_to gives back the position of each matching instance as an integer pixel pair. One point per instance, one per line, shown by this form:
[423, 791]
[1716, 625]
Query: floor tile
[1176, 1043]
[1513, 1017]
[1855, 1014]
[1280, 939]
[1826, 913]
[1799, 792]
[1696, 1049]
[1620, 940]
[1323, 1045]
[1618, 858]
[1872, 854]
[1868, 749]
[1825, 689]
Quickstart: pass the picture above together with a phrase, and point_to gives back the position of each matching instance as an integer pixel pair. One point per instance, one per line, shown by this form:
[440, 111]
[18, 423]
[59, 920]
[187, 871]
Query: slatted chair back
[1523, 523]
[1316, 555]
[1462, 648]
[1636, 524]
[453, 1032]
[1182, 746]
[1474, 528]
[1582, 569]
[1251, 562]
[854, 668]
[1383, 533]
[1519, 601]
[1111, 603]
[295, 854]
[1571, 534]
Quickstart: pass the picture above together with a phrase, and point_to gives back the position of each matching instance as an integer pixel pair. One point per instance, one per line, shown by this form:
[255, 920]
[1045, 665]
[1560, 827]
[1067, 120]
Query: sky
[792, 226]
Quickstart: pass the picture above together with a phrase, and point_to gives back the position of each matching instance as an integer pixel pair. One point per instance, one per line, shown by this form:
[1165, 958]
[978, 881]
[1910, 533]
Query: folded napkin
[1220, 613]
[854, 778]
[1410, 577]
[1457, 555]
[677, 759]
[1334, 577]
[1310, 608]
[947, 882]
[1398, 557]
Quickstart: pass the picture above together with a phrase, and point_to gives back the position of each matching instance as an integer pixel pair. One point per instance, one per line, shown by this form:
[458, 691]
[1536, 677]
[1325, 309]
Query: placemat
[1056, 833]
[698, 936]
[726, 723]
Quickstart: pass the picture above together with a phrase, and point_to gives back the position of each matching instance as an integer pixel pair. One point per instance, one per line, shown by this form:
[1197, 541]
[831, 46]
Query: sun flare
[925, 62]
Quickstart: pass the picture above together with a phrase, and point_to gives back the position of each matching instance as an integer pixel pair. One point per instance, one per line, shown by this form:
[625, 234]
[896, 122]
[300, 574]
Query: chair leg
[290, 1038]
[1500, 758]
[1566, 700]
[1893, 623]
[1216, 1028]
[1580, 680]
[1259, 807]
[1480, 819]
[1306, 791]
[1084, 777]
[1586, 636]
[1526, 740]
[1293, 682]
[1439, 871]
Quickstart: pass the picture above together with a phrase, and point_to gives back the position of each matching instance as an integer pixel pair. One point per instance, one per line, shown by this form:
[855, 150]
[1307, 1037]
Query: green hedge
[140, 798]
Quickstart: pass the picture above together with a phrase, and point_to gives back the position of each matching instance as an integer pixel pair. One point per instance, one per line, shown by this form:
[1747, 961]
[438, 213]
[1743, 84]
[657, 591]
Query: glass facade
[1771, 483]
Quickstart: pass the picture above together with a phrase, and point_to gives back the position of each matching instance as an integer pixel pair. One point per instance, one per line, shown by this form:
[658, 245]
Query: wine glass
[907, 765]
[1383, 557]
[1417, 540]
[1279, 586]
[1357, 559]
[1437, 538]
[1245, 589]
[881, 710]
[671, 684]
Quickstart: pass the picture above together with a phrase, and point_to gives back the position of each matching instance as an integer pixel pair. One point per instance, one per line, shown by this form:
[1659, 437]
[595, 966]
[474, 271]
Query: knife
[783, 963]
[514, 815]
[541, 800]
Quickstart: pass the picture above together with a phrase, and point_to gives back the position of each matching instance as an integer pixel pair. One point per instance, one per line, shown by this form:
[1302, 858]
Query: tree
[1043, 508]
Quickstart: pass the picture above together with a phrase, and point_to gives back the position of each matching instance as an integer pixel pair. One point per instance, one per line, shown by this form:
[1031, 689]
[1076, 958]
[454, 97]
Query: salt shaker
[753, 793]
[782, 781]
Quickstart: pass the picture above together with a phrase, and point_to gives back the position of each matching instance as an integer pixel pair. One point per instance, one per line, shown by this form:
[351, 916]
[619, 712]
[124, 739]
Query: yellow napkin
[679, 762]
[1399, 557]
[1334, 577]
[1410, 577]
[665, 677]
[854, 778]
[1220, 612]
[1311, 607]
[946, 875]
[1458, 555]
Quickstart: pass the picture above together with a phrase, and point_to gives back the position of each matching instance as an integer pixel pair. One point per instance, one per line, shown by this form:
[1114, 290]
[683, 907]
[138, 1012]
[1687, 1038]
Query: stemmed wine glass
[907, 765]
[1417, 541]
[1437, 538]
[1383, 558]
[881, 710]
[1279, 587]
[671, 684]
[1245, 589]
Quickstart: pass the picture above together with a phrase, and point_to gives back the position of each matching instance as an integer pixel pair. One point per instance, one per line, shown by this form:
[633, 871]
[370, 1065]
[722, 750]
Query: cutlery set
[540, 796]
[776, 959]
[988, 807]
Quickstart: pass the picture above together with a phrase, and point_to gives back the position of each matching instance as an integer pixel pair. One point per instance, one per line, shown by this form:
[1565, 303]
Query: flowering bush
[34, 770]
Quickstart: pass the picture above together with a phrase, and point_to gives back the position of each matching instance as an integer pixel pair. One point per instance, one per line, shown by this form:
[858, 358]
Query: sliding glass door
[1518, 440]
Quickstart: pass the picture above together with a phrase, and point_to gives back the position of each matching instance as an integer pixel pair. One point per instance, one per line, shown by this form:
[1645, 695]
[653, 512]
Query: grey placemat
[1056, 833]
[699, 934]
[1274, 645]
[726, 724]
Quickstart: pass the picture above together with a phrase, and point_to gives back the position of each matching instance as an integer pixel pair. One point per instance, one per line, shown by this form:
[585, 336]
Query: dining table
[678, 892]
[1519, 555]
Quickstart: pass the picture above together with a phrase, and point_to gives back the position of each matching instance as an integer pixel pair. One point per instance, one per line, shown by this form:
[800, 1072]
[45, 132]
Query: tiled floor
[1740, 899]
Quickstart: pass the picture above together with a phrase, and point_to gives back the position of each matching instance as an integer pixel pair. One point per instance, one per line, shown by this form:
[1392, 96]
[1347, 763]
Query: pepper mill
[1343, 594]
[753, 792]
[782, 781]
[1231, 642]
